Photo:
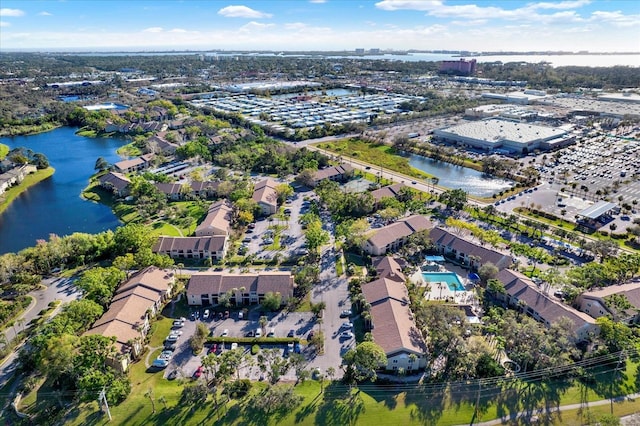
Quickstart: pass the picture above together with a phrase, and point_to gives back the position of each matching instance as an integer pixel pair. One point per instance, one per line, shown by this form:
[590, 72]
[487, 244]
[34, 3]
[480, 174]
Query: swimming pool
[450, 278]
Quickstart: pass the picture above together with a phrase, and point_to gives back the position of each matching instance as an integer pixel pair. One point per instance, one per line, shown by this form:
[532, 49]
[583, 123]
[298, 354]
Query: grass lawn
[163, 228]
[129, 150]
[377, 155]
[4, 150]
[29, 180]
[374, 404]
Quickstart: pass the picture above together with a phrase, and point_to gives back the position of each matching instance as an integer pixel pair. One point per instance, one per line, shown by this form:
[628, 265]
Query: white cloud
[4, 24]
[529, 13]
[295, 26]
[45, 13]
[616, 18]
[317, 1]
[255, 26]
[242, 12]
[153, 30]
[178, 30]
[560, 5]
[11, 12]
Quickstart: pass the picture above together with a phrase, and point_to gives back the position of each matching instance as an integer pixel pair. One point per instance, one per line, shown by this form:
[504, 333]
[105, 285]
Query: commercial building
[495, 133]
[461, 67]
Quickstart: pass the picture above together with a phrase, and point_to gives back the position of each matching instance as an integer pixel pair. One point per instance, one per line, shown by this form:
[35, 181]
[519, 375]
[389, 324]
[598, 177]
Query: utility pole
[102, 399]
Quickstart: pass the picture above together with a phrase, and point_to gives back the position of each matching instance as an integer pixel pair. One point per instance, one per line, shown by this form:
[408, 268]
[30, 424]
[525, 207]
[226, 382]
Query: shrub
[238, 389]
[255, 349]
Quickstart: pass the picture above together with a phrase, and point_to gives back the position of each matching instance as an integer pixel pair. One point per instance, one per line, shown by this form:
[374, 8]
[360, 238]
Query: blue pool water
[450, 278]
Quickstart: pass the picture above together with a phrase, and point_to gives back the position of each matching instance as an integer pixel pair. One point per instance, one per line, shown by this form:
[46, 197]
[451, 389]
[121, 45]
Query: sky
[337, 25]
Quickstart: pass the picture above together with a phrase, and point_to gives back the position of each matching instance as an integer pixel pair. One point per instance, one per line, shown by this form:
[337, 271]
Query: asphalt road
[61, 289]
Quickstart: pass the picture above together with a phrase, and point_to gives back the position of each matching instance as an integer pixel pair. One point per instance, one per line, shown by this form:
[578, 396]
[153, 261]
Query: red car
[213, 349]
[198, 372]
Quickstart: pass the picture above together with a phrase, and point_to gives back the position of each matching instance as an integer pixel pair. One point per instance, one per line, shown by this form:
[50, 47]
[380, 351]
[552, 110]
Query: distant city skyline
[332, 25]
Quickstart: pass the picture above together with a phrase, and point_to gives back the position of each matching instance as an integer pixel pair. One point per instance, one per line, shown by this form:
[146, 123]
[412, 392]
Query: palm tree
[149, 394]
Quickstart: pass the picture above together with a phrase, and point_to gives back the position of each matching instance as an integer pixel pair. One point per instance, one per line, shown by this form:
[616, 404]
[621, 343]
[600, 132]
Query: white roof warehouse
[494, 133]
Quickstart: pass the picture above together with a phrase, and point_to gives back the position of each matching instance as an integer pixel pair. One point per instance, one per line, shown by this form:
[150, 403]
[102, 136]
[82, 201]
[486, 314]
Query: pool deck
[443, 292]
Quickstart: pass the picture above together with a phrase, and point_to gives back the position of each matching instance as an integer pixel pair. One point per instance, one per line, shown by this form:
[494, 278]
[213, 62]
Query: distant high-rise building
[374, 51]
[359, 51]
[460, 67]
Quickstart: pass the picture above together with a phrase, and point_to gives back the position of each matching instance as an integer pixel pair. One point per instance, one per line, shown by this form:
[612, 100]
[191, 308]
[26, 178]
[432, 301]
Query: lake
[473, 182]
[54, 205]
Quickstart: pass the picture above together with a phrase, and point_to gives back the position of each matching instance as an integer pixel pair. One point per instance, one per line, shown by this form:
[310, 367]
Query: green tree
[101, 164]
[272, 301]
[315, 236]
[454, 199]
[363, 362]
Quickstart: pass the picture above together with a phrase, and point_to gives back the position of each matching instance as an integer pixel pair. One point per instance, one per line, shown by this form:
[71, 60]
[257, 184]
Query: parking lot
[280, 324]
[284, 229]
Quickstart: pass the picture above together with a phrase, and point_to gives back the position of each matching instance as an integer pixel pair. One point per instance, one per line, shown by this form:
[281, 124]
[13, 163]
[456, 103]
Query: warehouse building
[506, 135]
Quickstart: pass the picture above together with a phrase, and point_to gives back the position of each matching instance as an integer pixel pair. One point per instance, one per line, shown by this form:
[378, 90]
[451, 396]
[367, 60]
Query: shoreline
[29, 181]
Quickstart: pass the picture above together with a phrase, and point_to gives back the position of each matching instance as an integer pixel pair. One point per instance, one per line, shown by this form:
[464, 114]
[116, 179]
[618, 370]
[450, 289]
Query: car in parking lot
[213, 349]
[224, 333]
[159, 363]
[271, 332]
[206, 314]
[291, 333]
[296, 348]
[346, 335]
[347, 325]
[268, 241]
[166, 355]
[172, 338]
[198, 372]
[345, 313]
[234, 345]
[258, 332]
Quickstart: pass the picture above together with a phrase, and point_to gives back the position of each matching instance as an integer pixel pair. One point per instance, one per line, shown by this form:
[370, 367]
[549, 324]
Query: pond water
[54, 205]
[450, 176]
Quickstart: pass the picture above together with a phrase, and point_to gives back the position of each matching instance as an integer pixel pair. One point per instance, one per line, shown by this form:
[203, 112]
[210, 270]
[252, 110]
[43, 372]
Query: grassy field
[378, 155]
[380, 405]
[29, 180]
[4, 150]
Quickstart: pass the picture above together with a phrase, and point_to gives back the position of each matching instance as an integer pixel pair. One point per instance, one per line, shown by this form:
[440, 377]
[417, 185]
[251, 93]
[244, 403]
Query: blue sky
[480, 25]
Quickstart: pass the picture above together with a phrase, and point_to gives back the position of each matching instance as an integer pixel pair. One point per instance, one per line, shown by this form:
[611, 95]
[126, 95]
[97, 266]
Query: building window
[395, 361]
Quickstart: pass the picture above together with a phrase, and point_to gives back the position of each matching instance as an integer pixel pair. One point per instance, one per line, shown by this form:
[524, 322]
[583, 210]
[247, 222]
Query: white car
[346, 335]
[206, 314]
[234, 345]
[225, 333]
[258, 332]
[347, 325]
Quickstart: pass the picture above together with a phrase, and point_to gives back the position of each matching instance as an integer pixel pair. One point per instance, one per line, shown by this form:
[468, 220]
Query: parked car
[290, 346]
[159, 363]
[311, 334]
[271, 332]
[172, 375]
[166, 355]
[206, 314]
[347, 325]
[258, 332]
[345, 313]
[213, 349]
[234, 345]
[172, 338]
[346, 335]
[225, 333]
[198, 372]
[297, 348]
[291, 333]
[178, 323]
